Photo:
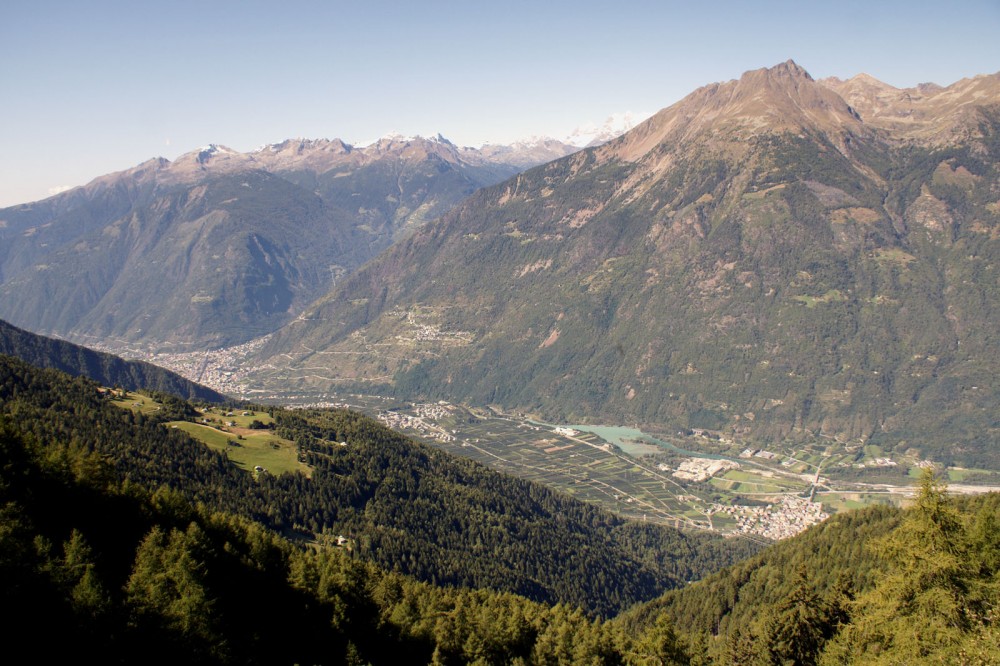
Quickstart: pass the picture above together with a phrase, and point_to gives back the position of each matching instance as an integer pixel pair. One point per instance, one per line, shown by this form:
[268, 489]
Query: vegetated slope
[874, 586]
[756, 259]
[219, 247]
[106, 369]
[837, 556]
[100, 568]
[405, 506]
[96, 570]
[218, 258]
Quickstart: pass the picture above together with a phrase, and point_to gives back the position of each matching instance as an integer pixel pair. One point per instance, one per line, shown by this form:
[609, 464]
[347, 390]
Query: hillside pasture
[246, 448]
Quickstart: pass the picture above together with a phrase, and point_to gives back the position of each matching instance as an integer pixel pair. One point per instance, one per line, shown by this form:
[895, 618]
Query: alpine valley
[773, 301]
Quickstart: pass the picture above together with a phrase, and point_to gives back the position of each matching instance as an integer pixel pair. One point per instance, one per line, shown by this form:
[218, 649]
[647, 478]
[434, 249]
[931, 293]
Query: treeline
[108, 370]
[405, 506]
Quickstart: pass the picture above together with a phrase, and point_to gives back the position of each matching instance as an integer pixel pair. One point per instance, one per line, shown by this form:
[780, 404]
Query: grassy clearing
[256, 448]
[832, 296]
[205, 434]
[241, 418]
[137, 403]
[229, 432]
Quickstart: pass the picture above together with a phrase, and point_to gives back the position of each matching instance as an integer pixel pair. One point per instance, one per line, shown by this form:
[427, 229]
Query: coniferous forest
[405, 506]
[123, 540]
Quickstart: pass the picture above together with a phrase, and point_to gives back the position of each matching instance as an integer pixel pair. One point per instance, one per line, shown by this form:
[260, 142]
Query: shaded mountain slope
[874, 586]
[219, 247]
[105, 369]
[756, 259]
[99, 570]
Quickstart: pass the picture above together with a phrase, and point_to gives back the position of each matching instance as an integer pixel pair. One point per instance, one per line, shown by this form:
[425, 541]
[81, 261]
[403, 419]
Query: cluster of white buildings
[878, 462]
[702, 469]
[758, 453]
[430, 333]
[431, 411]
[401, 421]
[775, 521]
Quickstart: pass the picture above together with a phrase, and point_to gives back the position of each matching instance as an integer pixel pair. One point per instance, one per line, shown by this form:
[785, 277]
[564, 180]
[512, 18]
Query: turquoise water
[618, 434]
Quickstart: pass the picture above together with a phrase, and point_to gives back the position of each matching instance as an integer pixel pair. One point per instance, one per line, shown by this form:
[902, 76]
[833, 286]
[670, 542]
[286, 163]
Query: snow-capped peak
[215, 149]
[396, 137]
[592, 134]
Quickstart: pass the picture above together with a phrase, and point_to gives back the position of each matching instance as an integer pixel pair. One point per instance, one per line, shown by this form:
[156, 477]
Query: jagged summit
[591, 134]
[789, 68]
[213, 157]
[771, 100]
[215, 149]
[302, 145]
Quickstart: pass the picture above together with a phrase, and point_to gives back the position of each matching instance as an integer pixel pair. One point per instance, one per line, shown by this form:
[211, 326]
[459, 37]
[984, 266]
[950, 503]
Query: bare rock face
[927, 114]
[764, 101]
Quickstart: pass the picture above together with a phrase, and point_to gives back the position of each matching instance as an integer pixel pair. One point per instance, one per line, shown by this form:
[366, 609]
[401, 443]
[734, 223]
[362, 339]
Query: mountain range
[218, 246]
[773, 257]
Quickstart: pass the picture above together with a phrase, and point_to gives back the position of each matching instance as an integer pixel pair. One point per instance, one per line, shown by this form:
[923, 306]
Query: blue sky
[87, 88]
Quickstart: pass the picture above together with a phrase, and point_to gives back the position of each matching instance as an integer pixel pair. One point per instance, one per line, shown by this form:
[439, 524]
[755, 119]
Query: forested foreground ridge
[874, 586]
[94, 570]
[402, 505]
[96, 567]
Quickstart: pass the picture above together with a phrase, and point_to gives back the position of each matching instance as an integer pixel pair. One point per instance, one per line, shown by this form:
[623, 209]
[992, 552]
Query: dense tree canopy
[130, 542]
[406, 506]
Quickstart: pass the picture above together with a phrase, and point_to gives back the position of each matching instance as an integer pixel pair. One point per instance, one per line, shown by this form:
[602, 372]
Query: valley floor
[699, 480]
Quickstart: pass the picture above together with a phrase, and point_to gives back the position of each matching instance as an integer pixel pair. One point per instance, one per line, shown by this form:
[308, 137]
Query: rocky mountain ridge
[928, 113]
[107, 370]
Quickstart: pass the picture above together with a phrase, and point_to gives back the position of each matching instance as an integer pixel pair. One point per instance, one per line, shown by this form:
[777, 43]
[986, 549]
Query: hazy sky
[90, 86]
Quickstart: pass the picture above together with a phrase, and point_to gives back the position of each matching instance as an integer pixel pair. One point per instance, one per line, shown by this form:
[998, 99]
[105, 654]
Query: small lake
[620, 436]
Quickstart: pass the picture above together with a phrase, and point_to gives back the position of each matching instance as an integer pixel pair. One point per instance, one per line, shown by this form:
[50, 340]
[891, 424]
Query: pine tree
[659, 646]
[796, 630]
[920, 606]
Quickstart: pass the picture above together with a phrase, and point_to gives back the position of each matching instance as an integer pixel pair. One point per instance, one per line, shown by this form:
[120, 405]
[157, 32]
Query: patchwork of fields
[694, 480]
